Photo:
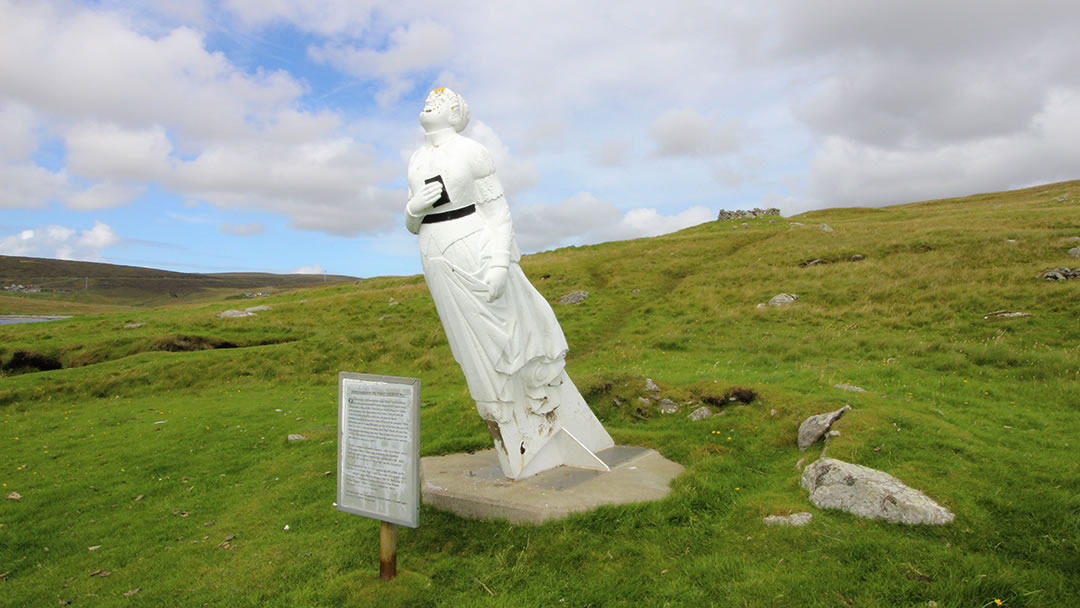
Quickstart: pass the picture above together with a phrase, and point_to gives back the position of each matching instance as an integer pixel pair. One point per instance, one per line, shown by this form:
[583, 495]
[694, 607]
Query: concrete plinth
[473, 485]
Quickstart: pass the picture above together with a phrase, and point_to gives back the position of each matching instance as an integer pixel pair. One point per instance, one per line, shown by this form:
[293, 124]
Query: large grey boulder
[815, 427]
[869, 493]
[1075, 252]
[783, 299]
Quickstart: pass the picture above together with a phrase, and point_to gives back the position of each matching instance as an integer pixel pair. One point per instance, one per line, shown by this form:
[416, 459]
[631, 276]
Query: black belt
[445, 216]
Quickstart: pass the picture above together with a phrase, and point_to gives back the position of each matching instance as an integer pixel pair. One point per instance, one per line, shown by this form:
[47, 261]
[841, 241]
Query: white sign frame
[393, 438]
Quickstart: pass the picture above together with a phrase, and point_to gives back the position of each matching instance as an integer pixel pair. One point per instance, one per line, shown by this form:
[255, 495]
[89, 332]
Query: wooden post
[387, 551]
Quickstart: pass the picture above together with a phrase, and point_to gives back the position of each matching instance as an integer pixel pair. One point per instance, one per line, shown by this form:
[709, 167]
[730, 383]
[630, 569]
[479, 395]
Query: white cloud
[610, 154]
[104, 195]
[685, 132]
[110, 152]
[61, 242]
[313, 269]
[243, 229]
[585, 219]
[28, 186]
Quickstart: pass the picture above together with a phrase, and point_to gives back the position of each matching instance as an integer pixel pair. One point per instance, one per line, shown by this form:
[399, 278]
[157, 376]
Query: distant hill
[130, 285]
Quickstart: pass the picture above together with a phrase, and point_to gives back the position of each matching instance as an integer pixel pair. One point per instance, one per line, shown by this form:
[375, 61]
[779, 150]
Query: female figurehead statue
[501, 331]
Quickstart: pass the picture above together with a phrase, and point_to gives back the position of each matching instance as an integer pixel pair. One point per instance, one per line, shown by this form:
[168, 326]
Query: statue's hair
[459, 110]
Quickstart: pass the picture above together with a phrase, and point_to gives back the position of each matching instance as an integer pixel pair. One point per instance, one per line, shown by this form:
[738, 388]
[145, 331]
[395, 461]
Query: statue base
[529, 443]
[473, 485]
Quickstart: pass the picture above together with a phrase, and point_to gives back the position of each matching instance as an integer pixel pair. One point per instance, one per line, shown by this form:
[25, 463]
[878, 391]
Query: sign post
[379, 455]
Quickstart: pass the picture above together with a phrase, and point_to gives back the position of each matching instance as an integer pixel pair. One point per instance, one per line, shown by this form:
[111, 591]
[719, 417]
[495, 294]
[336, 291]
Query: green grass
[981, 414]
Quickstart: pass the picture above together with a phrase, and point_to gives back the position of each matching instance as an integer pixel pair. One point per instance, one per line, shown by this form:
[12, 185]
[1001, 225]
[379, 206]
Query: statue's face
[436, 112]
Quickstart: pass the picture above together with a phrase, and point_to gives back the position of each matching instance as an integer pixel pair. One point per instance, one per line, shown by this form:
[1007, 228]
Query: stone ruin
[741, 214]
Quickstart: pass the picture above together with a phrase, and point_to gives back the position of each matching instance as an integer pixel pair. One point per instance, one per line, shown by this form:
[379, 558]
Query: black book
[444, 199]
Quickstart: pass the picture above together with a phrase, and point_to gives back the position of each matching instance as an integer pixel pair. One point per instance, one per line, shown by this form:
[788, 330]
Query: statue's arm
[412, 222]
[491, 203]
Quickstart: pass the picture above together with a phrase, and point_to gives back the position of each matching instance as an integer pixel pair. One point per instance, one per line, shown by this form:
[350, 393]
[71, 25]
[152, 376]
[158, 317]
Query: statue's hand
[423, 200]
[496, 282]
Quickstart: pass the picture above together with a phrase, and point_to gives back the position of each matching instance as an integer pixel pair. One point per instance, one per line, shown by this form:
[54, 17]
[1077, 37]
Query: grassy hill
[67, 286]
[158, 453]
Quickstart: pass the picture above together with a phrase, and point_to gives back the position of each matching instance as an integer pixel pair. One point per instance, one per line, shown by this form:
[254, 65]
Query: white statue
[501, 331]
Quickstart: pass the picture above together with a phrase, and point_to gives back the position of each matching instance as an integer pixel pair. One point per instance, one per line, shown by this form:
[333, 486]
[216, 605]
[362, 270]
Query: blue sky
[268, 135]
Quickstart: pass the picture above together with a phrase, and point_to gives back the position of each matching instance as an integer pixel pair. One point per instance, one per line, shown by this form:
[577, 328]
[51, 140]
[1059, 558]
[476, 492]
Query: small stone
[834, 433]
[800, 463]
[795, 519]
[700, 413]
[850, 387]
[257, 308]
[635, 291]
[667, 406]
[296, 437]
[826, 228]
[651, 386]
[815, 427]
[1075, 252]
[1073, 239]
[14, 496]
[858, 257]
[644, 401]
[132, 592]
[574, 297]
[392, 302]
[816, 262]
[134, 325]
[1004, 314]
[234, 314]
[772, 412]
[783, 299]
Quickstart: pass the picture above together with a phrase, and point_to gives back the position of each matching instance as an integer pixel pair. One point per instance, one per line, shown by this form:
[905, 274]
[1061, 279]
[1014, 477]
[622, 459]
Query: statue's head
[445, 105]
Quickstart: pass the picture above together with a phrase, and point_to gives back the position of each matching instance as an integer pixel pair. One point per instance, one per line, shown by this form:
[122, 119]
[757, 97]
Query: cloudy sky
[272, 135]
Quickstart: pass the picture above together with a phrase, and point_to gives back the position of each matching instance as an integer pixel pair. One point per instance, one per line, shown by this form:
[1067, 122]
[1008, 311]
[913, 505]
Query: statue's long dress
[511, 350]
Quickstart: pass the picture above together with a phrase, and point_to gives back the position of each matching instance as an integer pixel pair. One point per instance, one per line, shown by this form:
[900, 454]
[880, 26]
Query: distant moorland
[146, 461]
[64, 286]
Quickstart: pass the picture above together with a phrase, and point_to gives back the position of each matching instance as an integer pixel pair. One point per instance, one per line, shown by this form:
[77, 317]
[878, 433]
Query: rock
[869, 493]
[826, 228]
[800, 463]
[850, 387]
[858, 257]
[644, 401]
[1004, 314]
[635, 291]
[296, 437]
[795, 519]
[134, 325]
[700, 413]
[783, 299]
[392, 302]
[815, 427]
[1061, 274]
[832, 434]
[1075, 252]
[234, 314]
[743, 215]
[796, 224]
[14, 496]
[816, 262]
[667, 406]
[1073, 239]
[651, 386]
[574, 297]
[257, 308]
